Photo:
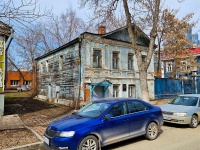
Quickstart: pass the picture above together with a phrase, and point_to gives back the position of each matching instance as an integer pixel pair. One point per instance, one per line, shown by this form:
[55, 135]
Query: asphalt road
[172, 137]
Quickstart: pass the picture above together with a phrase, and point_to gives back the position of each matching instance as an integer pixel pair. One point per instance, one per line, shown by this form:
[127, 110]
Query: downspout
[79, 72]
[6, 56]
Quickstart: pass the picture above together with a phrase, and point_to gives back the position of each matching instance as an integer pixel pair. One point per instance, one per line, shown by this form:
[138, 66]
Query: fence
[169, 88]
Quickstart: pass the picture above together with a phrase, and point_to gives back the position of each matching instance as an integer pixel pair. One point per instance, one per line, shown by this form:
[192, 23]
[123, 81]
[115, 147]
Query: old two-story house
[93, 66]
[184, 68]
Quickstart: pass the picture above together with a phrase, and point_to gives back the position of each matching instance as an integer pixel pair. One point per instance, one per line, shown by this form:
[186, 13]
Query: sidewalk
[31, 127]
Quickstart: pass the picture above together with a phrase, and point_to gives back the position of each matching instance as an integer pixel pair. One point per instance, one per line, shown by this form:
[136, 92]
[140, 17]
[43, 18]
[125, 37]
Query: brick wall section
[15, 75]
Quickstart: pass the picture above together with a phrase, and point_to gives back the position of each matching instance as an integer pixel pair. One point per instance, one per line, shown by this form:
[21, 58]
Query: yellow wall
[2, 62]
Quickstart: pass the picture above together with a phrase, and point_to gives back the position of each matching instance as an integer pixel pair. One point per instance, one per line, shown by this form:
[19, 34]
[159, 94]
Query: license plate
[46, 140]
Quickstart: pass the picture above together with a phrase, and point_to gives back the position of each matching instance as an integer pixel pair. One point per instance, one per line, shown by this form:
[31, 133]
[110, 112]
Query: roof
[193, 51]
[107, 36]
[5, 29]
[59, 48]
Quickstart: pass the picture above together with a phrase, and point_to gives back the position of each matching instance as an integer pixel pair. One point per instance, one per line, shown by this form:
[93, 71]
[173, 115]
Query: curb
[26, 147]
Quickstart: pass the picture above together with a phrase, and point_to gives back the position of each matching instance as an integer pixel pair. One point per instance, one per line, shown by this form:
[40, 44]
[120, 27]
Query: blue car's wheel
[89, 143]
[194, 121]
[152, 131]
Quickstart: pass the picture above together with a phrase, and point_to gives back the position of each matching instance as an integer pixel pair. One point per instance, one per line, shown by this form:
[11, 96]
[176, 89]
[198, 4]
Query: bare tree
[21, 11]
[35, 40]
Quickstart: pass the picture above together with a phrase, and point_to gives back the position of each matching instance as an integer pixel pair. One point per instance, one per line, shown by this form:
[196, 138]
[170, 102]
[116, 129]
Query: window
[47, 66]
[118, 109]
[115, 90]
[183, 65]
[14, 82]
[41, 68]
[169, 66]
[131, 91]
[97, 59]
[144, 58]
[61, 62]
[115, 60]
[135, 106]
[27, 82]
[130, 61]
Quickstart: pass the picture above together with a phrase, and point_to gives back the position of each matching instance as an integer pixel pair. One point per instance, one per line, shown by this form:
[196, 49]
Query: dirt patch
[13, 138]
[25, 105]
[35, 114]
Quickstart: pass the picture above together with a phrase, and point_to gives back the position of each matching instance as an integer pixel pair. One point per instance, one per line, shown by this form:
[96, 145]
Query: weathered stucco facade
[92, 66]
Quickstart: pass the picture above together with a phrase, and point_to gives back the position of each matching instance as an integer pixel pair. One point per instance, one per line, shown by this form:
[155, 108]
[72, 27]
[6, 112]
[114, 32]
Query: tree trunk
[144, 85]
[143, 66]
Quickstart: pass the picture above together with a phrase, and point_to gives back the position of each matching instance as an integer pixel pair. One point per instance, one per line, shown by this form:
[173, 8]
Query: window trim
[132, 64]
[171, 66]
[117, 60]
[99, 58]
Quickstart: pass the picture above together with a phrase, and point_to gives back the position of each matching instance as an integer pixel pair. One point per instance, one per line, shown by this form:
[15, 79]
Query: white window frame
[14, 82]
[131, 90]
[27, 82]
[169, 66]
[115, 90]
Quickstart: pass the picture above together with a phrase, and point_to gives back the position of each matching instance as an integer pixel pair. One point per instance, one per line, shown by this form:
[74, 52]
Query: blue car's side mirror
[108, 117]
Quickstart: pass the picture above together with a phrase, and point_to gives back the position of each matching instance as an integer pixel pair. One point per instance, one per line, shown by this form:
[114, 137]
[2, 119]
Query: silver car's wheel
[89, 143]
[152, 131]
[194, 121]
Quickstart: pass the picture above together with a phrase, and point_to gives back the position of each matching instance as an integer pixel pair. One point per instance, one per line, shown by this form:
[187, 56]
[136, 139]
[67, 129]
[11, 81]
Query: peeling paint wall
[58, 74]
[116, 76]
[57, 81]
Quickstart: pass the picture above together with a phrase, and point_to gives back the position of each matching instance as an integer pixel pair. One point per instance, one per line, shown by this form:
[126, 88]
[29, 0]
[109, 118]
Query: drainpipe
[6, 56]
[79, 72]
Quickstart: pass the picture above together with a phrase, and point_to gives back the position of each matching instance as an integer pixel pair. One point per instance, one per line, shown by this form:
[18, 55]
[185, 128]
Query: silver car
[184, 109]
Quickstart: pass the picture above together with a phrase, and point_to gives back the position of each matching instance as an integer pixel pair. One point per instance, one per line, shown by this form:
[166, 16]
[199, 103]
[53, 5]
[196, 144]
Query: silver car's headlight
[66, 134]
[180, 114]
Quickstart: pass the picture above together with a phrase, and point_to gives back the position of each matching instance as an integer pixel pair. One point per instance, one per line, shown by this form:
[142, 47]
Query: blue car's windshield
[184, 100]
[92, 110]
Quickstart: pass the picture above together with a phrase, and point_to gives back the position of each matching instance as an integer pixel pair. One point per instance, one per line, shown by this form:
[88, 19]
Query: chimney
[102, 30]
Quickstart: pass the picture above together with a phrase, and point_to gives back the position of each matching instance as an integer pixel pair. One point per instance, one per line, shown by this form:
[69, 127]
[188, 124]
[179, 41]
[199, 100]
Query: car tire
[152, 131]
[194, 121]
[89, 142]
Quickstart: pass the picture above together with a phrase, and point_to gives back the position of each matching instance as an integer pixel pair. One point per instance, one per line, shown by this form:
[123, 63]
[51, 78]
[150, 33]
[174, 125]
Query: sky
[185, 7]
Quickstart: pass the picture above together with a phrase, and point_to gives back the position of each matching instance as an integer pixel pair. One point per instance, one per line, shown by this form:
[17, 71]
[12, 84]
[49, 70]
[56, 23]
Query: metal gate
[188, 86]
[198, 84]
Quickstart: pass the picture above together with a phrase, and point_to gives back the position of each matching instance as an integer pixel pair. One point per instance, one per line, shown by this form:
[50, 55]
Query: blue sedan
[103, 122]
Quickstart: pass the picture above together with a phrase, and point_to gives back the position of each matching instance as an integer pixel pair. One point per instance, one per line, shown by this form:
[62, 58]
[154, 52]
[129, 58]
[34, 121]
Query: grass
[11, 95]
